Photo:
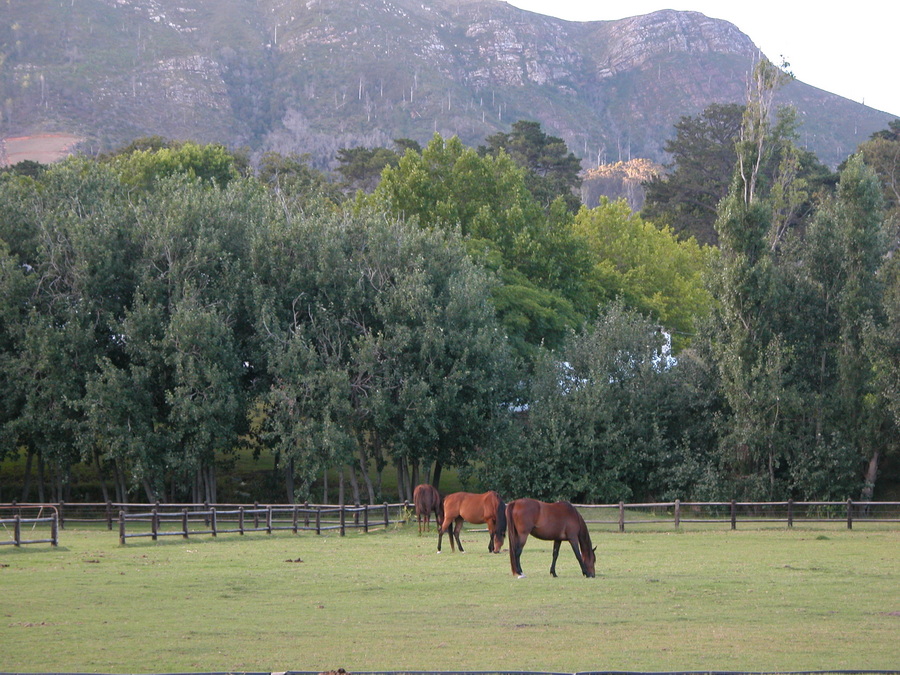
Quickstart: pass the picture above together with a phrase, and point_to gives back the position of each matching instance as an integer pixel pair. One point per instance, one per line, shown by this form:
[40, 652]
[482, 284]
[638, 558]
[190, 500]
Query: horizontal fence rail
[215, 520]
[732, 513]
[13, 525]
[186, 520]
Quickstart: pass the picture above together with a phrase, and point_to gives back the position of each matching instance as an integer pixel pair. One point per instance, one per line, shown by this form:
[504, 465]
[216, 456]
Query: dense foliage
[165, 311]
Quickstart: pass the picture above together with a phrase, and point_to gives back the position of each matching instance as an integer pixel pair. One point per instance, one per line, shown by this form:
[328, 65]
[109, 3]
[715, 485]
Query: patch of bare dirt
[43, 148]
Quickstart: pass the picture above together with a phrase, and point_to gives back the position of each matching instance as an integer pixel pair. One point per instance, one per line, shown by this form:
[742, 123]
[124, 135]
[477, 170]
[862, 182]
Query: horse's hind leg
[515, 554]
[555, 556]
[455, 529]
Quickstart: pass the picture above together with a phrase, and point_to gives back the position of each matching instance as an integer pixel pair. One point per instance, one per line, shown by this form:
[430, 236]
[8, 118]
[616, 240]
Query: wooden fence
[679, 513]
[270, 518]
[186, 520]
[13, 525]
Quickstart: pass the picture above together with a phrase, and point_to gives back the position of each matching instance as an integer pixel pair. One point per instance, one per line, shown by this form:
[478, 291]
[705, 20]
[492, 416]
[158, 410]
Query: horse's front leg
[577, 551]
[555, 556]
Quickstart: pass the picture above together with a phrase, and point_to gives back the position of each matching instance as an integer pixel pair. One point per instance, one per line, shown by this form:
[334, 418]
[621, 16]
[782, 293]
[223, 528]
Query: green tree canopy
[552, 171]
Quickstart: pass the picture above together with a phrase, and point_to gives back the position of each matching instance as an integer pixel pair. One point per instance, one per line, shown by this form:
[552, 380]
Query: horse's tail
[509, 523]
[501, 517]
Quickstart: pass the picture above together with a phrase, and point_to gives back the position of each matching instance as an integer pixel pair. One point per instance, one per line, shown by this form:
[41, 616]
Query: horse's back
[473, 508]
[549, 521]
[426, 497]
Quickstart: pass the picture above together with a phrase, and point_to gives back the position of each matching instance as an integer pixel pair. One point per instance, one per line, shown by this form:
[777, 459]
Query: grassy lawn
[758, 600]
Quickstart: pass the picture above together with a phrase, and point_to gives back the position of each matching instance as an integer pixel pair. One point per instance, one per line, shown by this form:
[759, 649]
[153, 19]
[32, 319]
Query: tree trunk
[436, 477]
[868, 490]
[365, 474]
[289, 480]
[41, 497]
[26, 481]
[354, 483]
[100, 476]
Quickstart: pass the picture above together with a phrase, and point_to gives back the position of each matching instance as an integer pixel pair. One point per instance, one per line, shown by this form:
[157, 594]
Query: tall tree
[542, 264]
[552, 171]
[703, 158]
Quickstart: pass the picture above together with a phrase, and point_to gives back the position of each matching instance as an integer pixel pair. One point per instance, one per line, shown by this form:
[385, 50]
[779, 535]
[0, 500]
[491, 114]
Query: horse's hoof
[521, 576]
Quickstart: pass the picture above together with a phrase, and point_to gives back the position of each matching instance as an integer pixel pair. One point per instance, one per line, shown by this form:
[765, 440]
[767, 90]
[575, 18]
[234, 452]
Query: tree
[551, 170]
[703, 159]
[648, 268]
[751, 354]
[882, 153]
[704, 156]
[610, 417]
[361, 167]
[382, 347]
[542, 264]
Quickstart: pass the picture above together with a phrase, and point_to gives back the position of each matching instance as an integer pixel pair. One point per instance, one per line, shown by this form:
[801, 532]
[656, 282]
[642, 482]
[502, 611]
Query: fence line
[17, 521]
[317, 518]
[847, 512]
[195, 519]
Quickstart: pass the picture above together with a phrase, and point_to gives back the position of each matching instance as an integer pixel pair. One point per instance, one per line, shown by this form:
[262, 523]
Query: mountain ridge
[317, 75]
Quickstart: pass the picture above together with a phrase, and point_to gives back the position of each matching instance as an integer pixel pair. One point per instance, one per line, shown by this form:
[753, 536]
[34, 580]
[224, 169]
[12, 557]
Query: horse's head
[590, 559]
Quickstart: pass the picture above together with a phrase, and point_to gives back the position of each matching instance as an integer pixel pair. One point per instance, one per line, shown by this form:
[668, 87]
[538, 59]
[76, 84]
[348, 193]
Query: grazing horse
[557, 522]
[474, 508]
[427, 500]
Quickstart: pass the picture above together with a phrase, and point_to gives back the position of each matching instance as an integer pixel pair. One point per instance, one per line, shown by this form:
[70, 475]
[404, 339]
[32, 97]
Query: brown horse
[555, 522]
[474, 508]
[427, 500]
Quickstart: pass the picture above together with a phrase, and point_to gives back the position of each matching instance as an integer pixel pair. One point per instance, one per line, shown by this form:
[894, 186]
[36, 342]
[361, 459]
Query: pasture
[811, 598]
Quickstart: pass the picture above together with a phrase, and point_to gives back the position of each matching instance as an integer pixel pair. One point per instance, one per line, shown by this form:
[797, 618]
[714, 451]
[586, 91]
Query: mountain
[318, 75]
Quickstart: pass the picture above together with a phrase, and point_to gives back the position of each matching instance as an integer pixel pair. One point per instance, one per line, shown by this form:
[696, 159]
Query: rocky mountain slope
[317, 75]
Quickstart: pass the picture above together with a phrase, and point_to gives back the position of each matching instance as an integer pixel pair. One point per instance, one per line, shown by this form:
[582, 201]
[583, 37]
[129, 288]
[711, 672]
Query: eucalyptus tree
[753, 358]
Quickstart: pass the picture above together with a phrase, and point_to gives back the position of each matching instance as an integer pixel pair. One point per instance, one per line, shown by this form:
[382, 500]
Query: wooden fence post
[295, 518]
[154, 523]
[306, 515]
[790, 512]
[62, 518]
[241, 519]
[621, 516]
[318, 520]
[17, 530]
[366, 518]
[184, 523]
[54, 530]
[343, 520]
[849, 514]
[677, 513]
[122, 527]
[212, 520]
[733, 514]
[255, 515]
[269, 519]
[387, 516]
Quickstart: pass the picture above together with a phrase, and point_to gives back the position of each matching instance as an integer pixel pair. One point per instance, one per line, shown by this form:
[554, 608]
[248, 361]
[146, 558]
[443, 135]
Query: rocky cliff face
[317, 75]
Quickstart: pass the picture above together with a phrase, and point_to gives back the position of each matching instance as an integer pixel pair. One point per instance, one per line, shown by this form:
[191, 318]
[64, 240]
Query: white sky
[846, 49]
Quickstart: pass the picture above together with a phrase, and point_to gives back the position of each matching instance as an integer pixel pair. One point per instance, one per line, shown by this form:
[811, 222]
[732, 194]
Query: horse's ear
[594, 550]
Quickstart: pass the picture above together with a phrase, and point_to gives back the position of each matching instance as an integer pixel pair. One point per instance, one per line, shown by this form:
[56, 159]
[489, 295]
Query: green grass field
[761, 600]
